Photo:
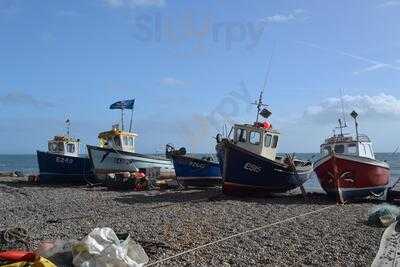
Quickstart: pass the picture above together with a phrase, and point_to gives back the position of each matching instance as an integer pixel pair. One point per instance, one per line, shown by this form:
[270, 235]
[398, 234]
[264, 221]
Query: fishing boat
[194, 172]
[116, 150]
[250, 163]
[62, 162]
[348, 169]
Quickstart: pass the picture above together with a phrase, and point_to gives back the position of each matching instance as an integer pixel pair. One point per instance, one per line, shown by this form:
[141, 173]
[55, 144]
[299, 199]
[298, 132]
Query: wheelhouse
[257, 138]
[64, 145]
[118, 139]
[348, 146]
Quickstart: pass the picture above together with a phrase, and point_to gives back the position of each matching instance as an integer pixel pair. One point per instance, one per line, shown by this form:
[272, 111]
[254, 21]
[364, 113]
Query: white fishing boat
[116, 151]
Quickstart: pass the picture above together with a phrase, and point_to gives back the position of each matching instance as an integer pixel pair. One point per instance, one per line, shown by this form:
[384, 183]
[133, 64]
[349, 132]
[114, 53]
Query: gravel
[170, 222]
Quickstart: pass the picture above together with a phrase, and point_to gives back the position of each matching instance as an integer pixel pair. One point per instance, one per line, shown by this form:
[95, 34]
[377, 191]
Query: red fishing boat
[348, 168]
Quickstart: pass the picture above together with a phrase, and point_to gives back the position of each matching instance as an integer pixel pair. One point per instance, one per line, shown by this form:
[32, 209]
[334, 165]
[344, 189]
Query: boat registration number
[64, 160]
[252, 167]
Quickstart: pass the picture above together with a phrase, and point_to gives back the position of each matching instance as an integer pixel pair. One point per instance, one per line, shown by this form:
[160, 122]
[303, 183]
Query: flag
[124, 104]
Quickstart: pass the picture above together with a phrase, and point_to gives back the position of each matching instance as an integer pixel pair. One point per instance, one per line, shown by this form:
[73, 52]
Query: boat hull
[105, 160]
[245, 172]
[55, 168]
[351, 177]
[196, 172]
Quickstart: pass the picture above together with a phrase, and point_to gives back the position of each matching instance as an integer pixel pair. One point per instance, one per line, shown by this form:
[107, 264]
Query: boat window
[275, 141]
[117, 141]
[364, 150]
[70, 148]
[372, 151]
[339, 149]
[267, 141]
[131, 141]
[125, 140]
[255, 138]
[55, 147]
[242, 135]
[352, 149]
[326, 150]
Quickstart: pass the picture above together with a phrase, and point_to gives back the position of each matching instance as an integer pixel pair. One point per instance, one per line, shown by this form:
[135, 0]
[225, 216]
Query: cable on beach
[240, 234]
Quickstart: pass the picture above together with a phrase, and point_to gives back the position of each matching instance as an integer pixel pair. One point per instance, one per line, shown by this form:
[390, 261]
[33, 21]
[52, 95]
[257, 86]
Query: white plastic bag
[102, 248]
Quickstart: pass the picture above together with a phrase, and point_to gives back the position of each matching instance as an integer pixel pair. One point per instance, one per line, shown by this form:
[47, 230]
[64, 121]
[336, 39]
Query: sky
[195, 66]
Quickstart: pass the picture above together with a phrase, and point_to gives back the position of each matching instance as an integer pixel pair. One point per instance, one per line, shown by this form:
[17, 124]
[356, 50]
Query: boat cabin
[259, 139]
[118, 139]
[64, 145]
[347, 145]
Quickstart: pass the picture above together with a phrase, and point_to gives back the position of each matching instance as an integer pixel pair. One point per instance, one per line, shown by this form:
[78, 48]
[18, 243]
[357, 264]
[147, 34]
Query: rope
[14, 235]
[240, 234]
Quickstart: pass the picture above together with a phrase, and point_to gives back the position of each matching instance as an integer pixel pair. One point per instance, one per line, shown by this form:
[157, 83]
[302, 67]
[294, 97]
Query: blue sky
[194, 66]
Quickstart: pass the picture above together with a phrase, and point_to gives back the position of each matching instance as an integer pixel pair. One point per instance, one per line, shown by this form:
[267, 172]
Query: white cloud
[380, 106]
[169, 81]
[372, 68]
[377, 64]
[391, 3]
[134, 3]
[283, 18]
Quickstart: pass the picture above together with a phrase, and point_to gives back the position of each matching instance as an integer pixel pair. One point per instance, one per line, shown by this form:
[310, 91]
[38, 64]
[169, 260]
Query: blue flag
[125, 104]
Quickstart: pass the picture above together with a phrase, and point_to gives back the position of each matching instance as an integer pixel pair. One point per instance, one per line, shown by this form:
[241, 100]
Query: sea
[28, 165]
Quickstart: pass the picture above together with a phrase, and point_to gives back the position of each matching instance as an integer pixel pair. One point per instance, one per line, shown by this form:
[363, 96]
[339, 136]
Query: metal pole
[358, 138]
[122, 118]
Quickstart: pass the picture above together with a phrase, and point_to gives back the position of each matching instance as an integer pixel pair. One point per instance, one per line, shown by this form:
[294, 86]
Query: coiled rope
[240, 234]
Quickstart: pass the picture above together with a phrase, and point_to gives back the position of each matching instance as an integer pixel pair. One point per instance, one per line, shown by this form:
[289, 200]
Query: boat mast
[354, 114]
[259, 105]
[68, 126]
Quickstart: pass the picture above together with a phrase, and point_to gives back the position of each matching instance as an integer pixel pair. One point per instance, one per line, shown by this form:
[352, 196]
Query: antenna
[265, 112]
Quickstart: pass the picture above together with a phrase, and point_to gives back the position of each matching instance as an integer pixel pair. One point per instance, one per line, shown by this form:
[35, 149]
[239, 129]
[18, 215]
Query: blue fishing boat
[62, 163]
[194, 172]
[250, 162]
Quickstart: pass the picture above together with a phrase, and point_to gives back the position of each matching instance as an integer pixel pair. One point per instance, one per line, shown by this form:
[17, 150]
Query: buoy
[17, 255]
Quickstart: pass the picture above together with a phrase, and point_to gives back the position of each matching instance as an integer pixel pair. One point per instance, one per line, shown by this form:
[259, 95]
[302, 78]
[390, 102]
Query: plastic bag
[383, 215]
[102, 248]
[59, 251]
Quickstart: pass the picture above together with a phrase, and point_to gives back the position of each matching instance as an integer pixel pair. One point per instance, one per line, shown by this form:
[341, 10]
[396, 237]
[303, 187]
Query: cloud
[377, 64]
[283, 18]
[134, 3]
[172, 82]
[372, 68]
[391, 3]
[23, 99]
[378, 107]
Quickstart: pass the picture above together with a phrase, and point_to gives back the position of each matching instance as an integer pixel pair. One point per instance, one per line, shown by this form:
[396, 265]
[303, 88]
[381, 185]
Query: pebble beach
[198, 227]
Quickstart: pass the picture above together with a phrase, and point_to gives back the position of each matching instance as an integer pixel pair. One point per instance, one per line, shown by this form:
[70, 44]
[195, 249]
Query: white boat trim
[361, 160]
